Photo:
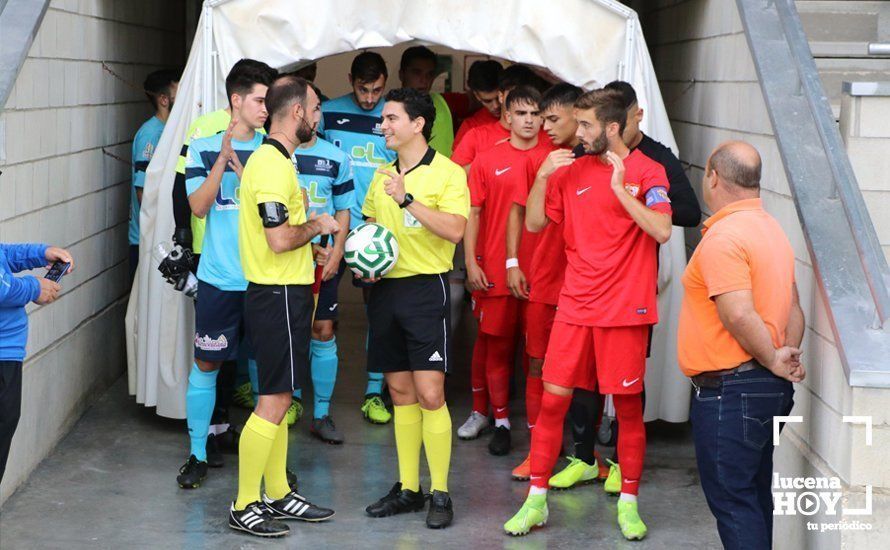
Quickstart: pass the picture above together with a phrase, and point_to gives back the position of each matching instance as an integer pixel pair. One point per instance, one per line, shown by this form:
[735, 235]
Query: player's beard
[304, 132]
[599, 145]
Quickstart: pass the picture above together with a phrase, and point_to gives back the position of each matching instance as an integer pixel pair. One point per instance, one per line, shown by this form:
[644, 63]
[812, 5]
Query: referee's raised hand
[395, 185]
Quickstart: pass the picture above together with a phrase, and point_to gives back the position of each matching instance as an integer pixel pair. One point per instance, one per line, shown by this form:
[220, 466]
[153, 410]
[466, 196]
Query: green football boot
[375, 411]
[612, 485]
[533, 513]
[243, 396]
[577, 472]
[632, 527]
[294, 412]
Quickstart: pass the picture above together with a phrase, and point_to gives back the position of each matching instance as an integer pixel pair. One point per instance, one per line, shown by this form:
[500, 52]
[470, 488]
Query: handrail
[879, 48]
[850, 268]
[870, 254]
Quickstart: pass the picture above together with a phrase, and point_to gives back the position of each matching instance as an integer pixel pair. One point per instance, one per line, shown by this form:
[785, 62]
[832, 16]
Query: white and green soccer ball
[371, 250]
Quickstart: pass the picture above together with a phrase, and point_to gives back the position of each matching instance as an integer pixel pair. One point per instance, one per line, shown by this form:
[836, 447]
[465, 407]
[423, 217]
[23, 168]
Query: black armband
[273, 214]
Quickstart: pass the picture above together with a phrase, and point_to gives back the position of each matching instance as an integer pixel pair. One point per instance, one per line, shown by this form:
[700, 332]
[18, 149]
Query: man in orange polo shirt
[740, 330]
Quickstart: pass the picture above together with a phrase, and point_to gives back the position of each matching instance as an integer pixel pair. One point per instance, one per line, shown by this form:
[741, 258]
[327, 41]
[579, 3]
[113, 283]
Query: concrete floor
[111, 482]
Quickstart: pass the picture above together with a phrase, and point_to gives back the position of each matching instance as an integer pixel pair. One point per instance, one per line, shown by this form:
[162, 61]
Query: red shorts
[611, 360]
[497, 315]
[538, 323]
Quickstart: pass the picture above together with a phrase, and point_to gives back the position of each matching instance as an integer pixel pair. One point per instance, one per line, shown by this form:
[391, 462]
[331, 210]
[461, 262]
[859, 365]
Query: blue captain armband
[273, 214]
[656, 195]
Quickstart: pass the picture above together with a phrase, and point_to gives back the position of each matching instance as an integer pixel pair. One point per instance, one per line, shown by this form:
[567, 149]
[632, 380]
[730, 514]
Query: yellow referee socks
[275, 475]
[253, 453]
[437, 445]
[408, 424]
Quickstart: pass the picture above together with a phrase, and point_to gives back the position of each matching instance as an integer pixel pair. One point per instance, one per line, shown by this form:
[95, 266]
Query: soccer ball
[371, 250]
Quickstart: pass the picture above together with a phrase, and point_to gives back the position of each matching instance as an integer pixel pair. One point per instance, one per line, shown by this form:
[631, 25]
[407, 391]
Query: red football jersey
[480, 118]
[547, 268]
[611, 267]
[530, 241]
[495, 176]
[479, 139]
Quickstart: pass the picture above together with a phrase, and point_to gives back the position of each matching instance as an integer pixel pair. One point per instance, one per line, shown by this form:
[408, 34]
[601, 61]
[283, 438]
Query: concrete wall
[59, 187]
[711, 91]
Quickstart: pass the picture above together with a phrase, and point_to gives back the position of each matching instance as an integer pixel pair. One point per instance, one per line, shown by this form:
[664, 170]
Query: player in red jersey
[482, 86]
[538, 277]
[486, 136]
[613, 206]
[494, 177]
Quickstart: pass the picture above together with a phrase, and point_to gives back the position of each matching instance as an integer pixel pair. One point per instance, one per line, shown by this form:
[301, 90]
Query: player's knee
[273, 407]
[557, 390]
[323, 331]
[431, 399]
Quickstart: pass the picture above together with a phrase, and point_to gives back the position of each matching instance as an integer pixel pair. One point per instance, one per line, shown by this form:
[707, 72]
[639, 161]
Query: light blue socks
[200, 399]
[324, 374]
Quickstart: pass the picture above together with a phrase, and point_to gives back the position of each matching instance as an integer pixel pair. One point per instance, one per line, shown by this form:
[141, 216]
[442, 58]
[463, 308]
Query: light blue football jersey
[220, 263]
[358, 133]
[325, 172]
[144, 144]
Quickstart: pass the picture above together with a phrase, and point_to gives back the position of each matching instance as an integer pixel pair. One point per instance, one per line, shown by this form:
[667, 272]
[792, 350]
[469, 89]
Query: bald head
[737, 163]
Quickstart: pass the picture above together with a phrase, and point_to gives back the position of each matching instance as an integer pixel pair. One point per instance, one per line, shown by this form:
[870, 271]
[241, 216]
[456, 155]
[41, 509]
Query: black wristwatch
[409, 198]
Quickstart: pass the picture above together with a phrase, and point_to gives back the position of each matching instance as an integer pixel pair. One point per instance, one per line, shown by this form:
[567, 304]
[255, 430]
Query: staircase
[839, 33]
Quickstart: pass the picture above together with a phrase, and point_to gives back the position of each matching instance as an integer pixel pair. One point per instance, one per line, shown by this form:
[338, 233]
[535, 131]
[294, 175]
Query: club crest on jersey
[148, 151]
[632, 188]
[324, 165]
[207, 343]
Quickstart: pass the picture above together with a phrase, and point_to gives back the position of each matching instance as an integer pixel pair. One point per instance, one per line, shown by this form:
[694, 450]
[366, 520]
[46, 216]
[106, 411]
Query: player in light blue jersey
[212, 180]
[325, 173]
[160, 87]
[353, 123]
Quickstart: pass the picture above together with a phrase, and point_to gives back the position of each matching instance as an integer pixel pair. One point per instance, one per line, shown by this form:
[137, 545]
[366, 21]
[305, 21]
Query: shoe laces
[259, 509]
[376, 401]
[327, 422]
[191, 463]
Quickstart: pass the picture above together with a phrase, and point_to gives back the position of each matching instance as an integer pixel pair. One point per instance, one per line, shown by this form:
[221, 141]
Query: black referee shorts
[278, 320]
[410, 324]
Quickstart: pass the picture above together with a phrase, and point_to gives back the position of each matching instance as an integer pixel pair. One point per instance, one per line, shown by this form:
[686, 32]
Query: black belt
[714, 379]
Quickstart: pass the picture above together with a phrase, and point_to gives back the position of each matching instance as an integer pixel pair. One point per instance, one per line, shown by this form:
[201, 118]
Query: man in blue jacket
[15, 292]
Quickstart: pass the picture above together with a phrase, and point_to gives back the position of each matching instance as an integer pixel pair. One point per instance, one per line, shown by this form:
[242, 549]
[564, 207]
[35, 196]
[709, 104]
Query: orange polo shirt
[742, 248]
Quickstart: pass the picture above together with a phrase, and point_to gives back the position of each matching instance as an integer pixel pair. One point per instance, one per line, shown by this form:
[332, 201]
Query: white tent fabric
[586, 42]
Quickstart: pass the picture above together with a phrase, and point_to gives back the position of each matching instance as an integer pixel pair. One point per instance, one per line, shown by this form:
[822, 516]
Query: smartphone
[57, 271]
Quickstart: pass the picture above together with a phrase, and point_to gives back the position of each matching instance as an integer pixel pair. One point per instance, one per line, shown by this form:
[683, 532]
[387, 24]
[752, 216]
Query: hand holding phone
[57, 271]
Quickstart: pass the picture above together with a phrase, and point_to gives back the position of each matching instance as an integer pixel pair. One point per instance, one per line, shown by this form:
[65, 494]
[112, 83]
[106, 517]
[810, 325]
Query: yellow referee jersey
[269, 176]
[440, 185]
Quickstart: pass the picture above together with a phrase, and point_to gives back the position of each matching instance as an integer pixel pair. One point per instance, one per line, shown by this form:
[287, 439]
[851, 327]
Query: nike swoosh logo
[580, 192]
[333, 307]
[627, 384]
[630, 480]
[501, 171]
[478, 389]
[342, 121]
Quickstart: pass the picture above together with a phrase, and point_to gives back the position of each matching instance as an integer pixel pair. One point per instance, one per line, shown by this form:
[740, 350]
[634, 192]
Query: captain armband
[273, 214]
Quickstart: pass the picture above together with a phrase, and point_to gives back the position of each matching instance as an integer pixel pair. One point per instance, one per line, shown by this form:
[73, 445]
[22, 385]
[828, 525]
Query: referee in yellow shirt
[423, 199]
[274, 239]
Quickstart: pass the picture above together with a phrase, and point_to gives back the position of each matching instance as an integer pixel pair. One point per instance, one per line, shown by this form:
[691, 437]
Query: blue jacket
[15, 292]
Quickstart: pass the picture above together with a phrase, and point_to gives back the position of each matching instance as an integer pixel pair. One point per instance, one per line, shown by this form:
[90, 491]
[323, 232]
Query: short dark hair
[158, 83]
[735, 169]
[523, 95]
[284, 92]
[416, 104]
[368, 67]
[483, 75]
[417, 52]
[516, 75]
[608, 106]
[628, 95]
[560, 95]
[247, 73]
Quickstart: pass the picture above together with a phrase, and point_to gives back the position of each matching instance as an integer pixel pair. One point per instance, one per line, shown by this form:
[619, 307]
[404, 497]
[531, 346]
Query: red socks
[477, 376]
[631, 440]
[547, 437]
[534, 391]
[498, 360]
